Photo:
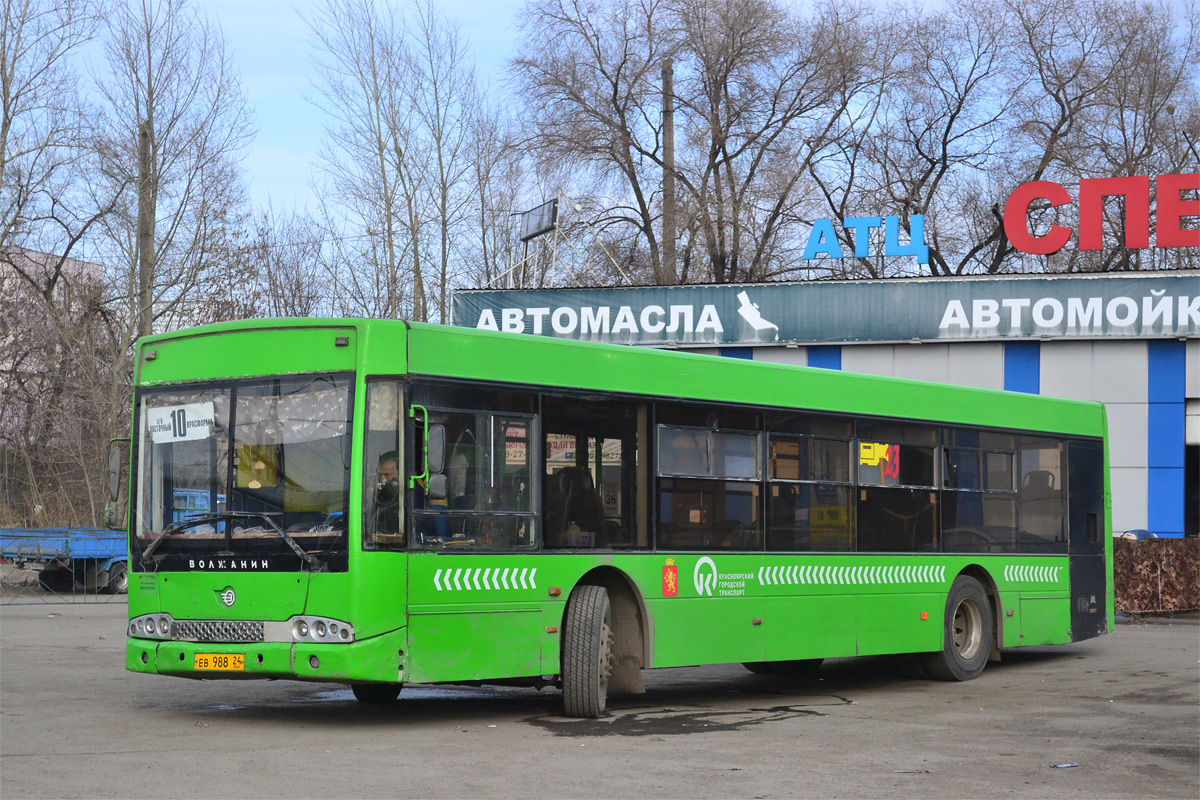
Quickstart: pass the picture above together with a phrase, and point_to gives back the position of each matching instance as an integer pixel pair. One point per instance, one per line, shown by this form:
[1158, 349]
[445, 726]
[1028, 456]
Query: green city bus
[376, 502]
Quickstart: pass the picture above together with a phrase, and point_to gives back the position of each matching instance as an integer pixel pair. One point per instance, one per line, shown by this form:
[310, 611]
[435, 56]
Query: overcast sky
[272, 49]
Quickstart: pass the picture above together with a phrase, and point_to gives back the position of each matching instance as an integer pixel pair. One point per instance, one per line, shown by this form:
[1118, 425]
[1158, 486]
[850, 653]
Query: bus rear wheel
[377, 694]
[967, 633]
[587, 652]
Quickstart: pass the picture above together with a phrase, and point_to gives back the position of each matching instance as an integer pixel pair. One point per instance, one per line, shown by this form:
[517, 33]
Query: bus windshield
[254, 472]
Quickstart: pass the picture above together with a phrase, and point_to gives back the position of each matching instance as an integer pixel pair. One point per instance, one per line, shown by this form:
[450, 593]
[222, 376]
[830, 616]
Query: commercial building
[1130, 341]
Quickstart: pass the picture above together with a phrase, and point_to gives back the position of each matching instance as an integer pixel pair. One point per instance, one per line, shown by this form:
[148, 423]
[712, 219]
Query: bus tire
[587, 652]
[118, 579]
[376, 694]
[967, 633]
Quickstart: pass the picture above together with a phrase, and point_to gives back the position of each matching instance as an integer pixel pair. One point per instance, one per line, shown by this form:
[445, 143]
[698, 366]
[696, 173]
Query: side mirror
[437, 448]
[117, 504]
[438, 487]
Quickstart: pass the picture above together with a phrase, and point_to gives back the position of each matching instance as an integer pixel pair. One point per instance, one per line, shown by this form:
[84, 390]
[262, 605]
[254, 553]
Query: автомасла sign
[1142, 305]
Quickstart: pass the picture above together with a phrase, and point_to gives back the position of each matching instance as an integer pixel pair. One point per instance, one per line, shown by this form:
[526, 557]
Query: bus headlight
[321, 630]
[152, 626]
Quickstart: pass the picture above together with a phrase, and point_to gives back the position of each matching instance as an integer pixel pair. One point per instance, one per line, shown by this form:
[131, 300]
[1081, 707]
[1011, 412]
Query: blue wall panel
[738, 352]
[825, 356]
[1168, 371]
[1164, 501]
[1166, 377]
[1023, 367]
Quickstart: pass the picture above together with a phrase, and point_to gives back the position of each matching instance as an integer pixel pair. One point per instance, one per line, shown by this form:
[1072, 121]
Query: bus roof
[396, 347]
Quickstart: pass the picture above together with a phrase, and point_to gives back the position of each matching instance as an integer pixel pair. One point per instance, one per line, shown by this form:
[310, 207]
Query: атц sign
[1171, 209]
[1144, 305]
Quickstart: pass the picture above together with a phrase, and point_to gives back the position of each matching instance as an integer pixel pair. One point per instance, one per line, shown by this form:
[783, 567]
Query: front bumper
[379, 659]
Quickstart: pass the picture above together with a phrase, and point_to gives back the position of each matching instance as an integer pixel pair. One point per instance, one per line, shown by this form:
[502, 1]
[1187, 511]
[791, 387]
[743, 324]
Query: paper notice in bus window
[870, 453]
[884, 456]
[611, 495]
[183, 423]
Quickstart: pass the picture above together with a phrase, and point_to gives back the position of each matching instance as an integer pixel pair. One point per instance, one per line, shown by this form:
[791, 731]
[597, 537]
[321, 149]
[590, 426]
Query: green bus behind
[376, 503]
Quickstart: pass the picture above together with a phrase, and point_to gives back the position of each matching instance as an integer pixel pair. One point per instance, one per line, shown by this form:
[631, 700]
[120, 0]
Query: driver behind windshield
[387, 493]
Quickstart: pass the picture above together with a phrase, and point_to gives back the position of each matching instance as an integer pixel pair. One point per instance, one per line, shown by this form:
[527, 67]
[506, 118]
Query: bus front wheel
[376, 693]
[967, 633]
[587, 652]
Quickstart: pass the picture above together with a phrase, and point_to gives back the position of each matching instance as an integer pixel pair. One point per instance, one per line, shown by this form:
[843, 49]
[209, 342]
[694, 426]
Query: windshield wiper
[228, 516]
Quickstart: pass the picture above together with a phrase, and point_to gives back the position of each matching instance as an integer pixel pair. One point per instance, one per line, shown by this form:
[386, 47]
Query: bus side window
[978, 501]
[810, 501]
[589, 482]
[709, 489]
[477, 497]
[897, 498]
[1040, 503]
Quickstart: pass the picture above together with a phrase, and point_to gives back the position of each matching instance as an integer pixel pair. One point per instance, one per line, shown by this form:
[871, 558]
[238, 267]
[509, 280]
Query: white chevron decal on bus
[481, 579]
[808, 574]
[1027, 573]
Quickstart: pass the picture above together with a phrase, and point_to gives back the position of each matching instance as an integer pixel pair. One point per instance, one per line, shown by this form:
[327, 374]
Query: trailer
[93, 559]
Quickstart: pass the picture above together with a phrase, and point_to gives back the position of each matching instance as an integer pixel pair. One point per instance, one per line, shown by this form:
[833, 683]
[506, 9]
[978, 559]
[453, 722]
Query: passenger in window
[575, 512]
[387, 494]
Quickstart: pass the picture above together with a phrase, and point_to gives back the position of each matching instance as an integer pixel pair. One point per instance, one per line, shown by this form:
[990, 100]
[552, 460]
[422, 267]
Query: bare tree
[444, 95]
[788, 116]
[402, 100]
[372, 182]
[496, 184]
[930, 134]
[56, 409]
[45, 138]
[59, 407]
[175, 128]
[587, 71]
[767, 90]
[287, 255]
[759, 94]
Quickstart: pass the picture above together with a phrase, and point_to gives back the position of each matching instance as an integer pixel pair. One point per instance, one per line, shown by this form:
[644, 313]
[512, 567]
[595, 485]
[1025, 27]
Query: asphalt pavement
[1112, 717]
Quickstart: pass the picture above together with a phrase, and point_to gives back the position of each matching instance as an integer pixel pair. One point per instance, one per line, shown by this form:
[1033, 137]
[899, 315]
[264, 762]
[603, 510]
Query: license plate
[219, 661]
